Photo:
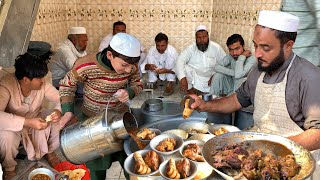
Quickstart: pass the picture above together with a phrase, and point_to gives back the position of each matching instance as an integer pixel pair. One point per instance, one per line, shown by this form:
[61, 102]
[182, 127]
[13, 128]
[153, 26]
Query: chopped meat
[289, 167]
[146, 134]
[183, 167]
[152, 160]
[166, 145]
[193, 152]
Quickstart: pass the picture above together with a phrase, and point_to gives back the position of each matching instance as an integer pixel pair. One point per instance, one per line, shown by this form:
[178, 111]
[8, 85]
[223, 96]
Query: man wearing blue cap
[114, 70]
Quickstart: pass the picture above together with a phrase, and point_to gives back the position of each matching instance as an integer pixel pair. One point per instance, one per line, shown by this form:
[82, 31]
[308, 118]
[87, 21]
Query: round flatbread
[66, 172]
[77, 174]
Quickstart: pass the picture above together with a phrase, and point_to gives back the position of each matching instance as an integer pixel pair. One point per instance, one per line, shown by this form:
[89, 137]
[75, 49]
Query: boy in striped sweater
[114, 70]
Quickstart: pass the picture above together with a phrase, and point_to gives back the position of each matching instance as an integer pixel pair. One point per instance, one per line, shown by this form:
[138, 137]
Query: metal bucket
[96, 137]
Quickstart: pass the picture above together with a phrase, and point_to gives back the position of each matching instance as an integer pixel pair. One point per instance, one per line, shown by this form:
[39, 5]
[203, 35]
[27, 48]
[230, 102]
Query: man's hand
[150, 67]
[36, 123]
[199, 104]
[184, 85]
[246, 53]
[55, 115]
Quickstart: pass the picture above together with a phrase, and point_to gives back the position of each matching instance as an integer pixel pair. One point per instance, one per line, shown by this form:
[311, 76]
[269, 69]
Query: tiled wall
[144, 19]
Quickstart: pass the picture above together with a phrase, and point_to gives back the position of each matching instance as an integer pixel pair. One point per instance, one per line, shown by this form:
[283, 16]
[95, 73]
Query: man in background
[118, 26]
[160, 62]
[68, 52]
[195, 65]
[233, 69]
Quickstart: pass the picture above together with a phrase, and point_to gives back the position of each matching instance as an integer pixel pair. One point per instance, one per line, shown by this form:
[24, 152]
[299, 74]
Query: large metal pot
[96, 137]
[269, 143]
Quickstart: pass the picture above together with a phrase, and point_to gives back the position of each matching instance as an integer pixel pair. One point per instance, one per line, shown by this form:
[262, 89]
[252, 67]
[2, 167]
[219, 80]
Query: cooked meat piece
[140, 166]
[250, 166]
[271, 168]
[152, 160]
[229, 157]
[146, 134]
[183, 167]
[193, 152]
[289, 167]
[172, 171]
[166, 145]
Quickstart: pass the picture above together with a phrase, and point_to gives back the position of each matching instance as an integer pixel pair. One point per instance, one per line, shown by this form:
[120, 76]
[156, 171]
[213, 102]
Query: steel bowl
[153, 105]
[163, 167]
[199, 127]
[156, 131]
[45, 171]
[229, 128]
[155, 141]
[269, 143]
[179, 132]
[201, 137]
[130, 162]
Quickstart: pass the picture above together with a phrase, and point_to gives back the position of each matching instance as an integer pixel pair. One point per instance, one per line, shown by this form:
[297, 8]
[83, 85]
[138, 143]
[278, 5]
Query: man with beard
[233, 69]
[283, 88]
[195, 65]
[68, 52]
[160, 62]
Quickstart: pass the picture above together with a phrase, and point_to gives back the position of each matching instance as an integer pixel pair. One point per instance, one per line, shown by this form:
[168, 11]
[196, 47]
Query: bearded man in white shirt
[68, 52]
[160, 62]
[195, 64]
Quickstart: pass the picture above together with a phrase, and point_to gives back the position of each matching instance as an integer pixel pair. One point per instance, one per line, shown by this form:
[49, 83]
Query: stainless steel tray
[23, 175]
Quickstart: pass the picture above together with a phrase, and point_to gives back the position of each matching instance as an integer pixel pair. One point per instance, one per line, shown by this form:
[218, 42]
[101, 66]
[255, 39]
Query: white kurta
[166, 60]
[105, 42]
[270, 110]
[198, 66]
[63, 60]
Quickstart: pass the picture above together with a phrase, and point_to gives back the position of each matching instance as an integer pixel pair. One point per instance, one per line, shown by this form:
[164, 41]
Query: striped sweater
[100, 83]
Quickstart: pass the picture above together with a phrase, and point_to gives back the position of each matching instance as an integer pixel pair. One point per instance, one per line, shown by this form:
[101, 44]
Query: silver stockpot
[97, 136]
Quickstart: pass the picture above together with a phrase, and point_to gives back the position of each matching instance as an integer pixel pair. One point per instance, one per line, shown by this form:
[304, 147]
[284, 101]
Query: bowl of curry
[41, 174]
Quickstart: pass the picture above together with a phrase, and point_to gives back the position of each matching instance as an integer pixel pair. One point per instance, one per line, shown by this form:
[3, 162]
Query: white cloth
[126, 44]
[271, 114]
[63, 60]
[166, 60]
[1, 172]
[198, 66]
[105, 42]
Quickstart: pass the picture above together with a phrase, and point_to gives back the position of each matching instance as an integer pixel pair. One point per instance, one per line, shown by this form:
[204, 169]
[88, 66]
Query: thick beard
[203, 47]
[275, 64]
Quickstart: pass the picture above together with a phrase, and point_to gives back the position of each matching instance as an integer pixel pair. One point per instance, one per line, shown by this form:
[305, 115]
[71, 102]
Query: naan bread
[77, 174]
[66, 172]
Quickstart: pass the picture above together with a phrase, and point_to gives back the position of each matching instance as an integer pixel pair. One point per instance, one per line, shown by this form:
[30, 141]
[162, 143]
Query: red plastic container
[66, 165]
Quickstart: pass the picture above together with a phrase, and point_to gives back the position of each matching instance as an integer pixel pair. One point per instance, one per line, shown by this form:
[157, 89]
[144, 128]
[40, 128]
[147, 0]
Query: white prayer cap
[77, 30]
[125, 44]
[201, 27]
[278, 20]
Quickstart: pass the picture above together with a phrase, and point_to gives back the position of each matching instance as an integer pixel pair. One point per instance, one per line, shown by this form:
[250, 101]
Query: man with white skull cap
[68, 52]
[195, 65]
[283, 87]
[110, 78]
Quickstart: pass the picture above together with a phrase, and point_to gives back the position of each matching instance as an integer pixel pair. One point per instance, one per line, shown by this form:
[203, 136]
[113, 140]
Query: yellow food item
[187, 111]
[77, 174]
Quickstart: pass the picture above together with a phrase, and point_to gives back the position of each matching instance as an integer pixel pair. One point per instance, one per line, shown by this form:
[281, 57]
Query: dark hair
[118, 23]
[202, 31]
[235, 38]
[130, 60]
[30, 66]
[283, 36]
[160, 37]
